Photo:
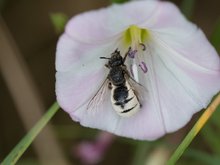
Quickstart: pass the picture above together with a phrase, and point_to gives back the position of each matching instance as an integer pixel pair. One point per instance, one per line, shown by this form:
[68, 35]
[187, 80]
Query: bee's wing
[100, 97]
[139, 90]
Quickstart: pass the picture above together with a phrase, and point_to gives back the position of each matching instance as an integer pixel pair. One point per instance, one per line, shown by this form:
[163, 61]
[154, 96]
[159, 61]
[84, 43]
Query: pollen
[134, 36]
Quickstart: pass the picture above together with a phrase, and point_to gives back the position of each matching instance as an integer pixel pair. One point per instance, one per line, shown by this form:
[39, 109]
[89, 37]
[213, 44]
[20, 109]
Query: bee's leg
[129, 50]
[109, 82]
[107, 66]
[136, 94]
[126, 71]
[130, 77]
[109, 85]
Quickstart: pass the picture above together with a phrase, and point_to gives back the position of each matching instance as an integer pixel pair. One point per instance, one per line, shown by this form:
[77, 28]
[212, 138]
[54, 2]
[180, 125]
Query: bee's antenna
[117, 51]
[104, 58]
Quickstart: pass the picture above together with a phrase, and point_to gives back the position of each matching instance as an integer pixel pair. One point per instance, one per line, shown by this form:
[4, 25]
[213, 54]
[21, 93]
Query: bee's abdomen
[124, 100]
[120, 96]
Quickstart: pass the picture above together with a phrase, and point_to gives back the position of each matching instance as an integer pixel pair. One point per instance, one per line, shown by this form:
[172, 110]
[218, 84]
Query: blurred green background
[30, 29]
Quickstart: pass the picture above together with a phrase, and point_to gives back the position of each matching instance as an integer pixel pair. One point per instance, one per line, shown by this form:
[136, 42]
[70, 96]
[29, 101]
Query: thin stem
[194, 131]
[25, 142]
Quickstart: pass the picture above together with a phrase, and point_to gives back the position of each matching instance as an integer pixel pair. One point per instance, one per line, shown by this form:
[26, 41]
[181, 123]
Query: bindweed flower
[92, 152]
[166, 54]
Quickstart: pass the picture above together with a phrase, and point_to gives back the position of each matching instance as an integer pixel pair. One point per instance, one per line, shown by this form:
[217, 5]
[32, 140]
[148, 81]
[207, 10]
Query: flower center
[135, 39]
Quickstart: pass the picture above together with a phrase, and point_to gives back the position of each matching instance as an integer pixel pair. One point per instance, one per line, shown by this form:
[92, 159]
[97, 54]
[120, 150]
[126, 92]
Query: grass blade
[194, 131]
[21, 147]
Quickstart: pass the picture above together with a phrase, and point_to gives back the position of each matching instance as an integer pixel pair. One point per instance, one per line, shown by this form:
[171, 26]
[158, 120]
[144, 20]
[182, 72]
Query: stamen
[131, 53]
[143, 67]
[144, 47]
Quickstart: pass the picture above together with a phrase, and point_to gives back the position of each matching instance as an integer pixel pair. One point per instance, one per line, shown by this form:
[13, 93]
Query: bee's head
[115, 59]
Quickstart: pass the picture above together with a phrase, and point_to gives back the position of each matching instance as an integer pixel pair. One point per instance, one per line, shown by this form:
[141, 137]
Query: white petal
[180, 87]
[104, 23]
[80, 71]
[183, 68]
[186, 68]
[146, 124]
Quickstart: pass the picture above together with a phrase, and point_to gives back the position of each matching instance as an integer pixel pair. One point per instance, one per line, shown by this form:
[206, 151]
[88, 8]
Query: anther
[143, 67]
[144, 47]
[131, 53]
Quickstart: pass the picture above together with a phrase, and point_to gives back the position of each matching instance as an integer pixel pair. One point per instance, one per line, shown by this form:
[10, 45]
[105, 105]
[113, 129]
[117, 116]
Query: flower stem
[22, 146]
[194, 131]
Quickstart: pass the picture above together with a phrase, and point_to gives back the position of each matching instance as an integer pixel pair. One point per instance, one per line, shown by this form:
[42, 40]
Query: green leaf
[22, 146]
[211, 138]
[141, 153]
[215, 37]
[194, 131]
[203, 157]
[215, 119]
[28, 161]
[59, 21]
[210, 135]
[118, 1]
[187, 7]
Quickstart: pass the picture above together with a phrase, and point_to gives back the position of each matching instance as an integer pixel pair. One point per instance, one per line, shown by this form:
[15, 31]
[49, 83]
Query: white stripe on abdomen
[130, 108]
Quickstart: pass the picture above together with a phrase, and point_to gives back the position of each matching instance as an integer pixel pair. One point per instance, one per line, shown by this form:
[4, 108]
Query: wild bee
[124, 94]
